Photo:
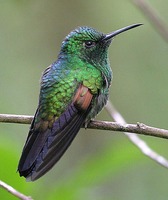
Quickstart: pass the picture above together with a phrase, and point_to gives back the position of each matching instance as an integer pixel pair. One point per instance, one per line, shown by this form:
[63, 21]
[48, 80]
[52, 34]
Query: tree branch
[21, 119]
[119, 125]
[138, 128]
[14, 192]
[141, 144]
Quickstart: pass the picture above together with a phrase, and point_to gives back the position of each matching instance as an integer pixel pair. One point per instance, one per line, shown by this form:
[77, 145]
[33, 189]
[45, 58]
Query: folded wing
[45, 146]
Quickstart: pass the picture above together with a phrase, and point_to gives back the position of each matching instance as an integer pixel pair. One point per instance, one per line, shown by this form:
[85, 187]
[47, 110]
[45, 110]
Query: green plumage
[74, 89]
[76, 64]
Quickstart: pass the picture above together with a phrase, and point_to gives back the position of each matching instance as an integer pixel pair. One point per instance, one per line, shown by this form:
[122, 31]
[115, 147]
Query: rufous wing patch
[83, 97]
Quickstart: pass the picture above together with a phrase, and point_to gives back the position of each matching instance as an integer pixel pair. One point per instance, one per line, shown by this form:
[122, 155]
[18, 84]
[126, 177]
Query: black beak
[114, 33]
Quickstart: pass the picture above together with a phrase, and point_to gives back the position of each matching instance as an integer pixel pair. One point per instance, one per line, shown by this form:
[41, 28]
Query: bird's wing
[46, 144]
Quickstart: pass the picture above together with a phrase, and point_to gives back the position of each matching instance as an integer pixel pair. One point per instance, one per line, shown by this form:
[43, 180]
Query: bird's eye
[89, 44]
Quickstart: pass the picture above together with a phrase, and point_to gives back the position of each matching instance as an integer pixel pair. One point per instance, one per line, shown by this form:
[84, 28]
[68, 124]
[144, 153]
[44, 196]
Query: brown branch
[21, 119]
[119, 125]
[14, 191]
[138, 142]
[138, 128]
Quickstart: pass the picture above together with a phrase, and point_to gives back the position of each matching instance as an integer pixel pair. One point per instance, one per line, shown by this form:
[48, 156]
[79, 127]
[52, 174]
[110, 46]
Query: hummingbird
[74, 89]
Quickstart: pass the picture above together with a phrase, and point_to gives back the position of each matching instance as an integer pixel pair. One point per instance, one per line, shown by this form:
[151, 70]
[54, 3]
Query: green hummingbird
[74, 89]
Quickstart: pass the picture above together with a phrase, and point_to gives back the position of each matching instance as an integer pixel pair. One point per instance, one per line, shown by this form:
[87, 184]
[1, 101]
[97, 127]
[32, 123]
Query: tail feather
[56, 151]
[59, 138]
[32, 148]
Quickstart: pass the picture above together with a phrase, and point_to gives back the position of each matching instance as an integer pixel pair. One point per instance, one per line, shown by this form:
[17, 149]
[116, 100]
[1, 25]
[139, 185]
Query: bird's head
[89, 45]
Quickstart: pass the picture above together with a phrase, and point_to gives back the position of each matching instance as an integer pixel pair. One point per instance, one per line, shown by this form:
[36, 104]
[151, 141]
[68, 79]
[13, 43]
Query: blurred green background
[99, 165]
